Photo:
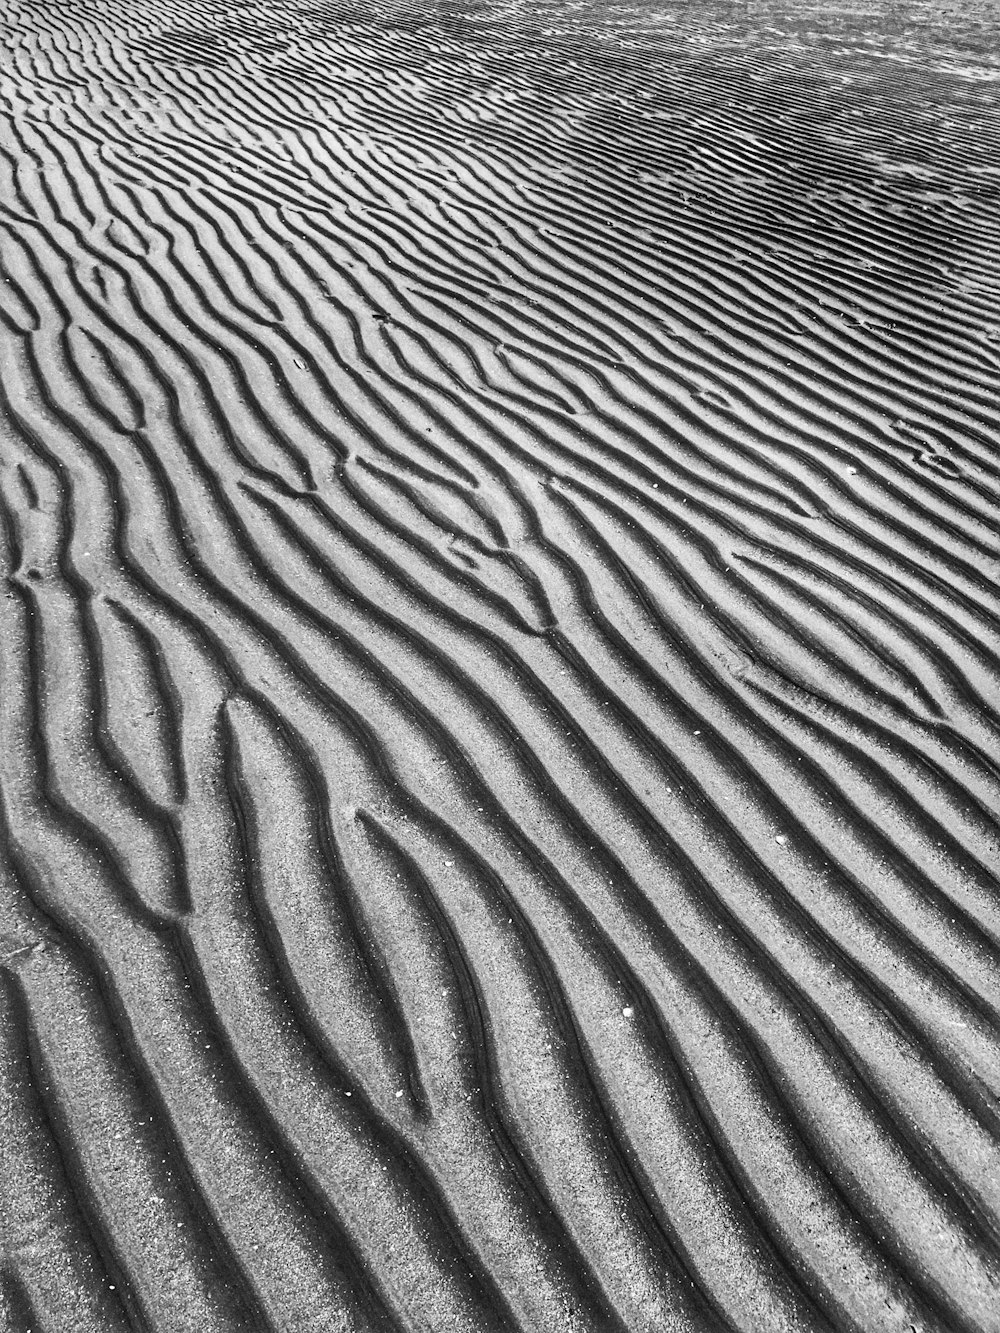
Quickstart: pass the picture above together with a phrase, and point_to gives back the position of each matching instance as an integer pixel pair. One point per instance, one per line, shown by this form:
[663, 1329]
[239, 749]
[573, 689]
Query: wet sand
[499, 667]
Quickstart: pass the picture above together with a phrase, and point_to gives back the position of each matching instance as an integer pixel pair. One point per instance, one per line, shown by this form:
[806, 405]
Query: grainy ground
[499, 678]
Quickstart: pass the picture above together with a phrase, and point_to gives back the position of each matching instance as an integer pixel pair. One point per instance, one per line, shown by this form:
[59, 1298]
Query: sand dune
[499, 677]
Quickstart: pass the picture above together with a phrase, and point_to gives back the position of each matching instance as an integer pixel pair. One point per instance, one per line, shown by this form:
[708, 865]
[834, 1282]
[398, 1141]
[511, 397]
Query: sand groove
[499, 669]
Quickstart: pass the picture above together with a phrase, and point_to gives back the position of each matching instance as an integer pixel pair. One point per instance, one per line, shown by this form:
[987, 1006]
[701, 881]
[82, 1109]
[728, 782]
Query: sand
[499, 667]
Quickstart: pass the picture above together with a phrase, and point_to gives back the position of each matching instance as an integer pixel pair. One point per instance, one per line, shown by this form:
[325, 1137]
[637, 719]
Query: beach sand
[499, 667]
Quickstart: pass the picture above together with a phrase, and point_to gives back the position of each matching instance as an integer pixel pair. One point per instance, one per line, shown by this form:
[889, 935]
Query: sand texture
[499, 667]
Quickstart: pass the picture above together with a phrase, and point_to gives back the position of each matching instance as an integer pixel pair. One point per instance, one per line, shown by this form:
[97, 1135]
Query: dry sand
[499, 673]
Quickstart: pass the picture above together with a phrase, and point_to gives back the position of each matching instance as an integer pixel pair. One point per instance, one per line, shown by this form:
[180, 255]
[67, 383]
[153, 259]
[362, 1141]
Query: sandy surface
[499, 673]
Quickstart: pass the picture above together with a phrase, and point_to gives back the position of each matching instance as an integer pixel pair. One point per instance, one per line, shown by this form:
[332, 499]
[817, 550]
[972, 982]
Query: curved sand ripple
[499, 714]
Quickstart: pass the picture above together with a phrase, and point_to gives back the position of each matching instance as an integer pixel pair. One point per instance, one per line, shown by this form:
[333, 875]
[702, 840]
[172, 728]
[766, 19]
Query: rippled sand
[499, 667]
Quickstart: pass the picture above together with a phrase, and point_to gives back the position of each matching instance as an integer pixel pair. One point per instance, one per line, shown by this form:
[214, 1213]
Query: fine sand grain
[499, 667]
